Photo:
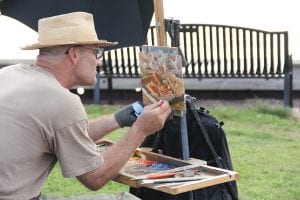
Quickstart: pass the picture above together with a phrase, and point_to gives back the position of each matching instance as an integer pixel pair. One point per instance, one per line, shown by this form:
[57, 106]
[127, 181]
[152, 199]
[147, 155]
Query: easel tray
[185, 175]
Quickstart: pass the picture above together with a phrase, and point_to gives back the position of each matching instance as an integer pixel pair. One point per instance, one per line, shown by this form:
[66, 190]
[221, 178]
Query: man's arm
[125, 117]
[101, 126]
[151, 120]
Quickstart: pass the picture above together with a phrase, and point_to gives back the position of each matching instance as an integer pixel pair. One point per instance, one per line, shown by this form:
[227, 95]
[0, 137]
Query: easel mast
[160, 23]
[162, 41]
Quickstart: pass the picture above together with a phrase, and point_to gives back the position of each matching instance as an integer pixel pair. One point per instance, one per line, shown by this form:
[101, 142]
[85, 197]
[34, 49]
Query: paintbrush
[170, 180]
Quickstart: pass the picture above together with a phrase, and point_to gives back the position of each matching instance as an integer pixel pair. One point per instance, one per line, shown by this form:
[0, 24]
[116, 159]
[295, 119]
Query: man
[42, 122]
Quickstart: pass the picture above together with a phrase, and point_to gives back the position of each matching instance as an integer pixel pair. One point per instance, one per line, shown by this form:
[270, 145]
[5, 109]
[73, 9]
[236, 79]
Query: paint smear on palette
[139, 167]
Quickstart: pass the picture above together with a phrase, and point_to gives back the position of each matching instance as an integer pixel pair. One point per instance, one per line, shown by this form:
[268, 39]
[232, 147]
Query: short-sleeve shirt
[41, 123]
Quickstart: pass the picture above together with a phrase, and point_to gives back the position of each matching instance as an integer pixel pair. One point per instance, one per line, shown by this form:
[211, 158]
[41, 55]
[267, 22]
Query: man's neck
[58, 71]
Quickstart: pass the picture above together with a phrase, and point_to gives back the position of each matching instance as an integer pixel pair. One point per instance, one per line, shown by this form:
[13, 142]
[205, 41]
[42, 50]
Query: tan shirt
[40, 123]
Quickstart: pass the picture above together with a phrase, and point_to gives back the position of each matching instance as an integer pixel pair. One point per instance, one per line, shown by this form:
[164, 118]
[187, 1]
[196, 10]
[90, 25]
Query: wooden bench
[216, 53]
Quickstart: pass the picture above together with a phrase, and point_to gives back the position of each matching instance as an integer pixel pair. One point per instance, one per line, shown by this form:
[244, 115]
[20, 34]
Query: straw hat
[68, 29]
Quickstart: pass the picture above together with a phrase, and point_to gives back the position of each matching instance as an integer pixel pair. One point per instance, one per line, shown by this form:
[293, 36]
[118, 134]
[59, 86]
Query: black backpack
[207, 141]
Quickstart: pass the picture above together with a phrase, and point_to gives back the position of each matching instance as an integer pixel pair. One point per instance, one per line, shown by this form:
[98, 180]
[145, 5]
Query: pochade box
[168, 174]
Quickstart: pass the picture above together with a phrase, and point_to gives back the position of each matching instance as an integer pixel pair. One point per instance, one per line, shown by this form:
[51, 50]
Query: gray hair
[54, 54]
[53, 51]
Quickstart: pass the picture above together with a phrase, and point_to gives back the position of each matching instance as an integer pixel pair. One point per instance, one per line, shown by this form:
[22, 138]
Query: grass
[264, 142]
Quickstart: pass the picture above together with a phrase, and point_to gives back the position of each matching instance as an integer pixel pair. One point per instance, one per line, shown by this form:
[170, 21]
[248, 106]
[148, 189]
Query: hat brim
[99, 43]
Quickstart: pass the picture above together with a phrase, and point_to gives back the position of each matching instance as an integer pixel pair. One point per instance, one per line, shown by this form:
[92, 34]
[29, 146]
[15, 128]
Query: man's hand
[128, 114]
[153, 117]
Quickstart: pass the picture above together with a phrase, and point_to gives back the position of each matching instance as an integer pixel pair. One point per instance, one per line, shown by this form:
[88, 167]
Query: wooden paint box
[135, 174]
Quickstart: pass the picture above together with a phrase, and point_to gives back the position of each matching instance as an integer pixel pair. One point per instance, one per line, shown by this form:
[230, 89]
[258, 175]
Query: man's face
[90, 58]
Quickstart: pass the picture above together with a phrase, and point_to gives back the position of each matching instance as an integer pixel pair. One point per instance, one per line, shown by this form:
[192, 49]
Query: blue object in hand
[138, 108]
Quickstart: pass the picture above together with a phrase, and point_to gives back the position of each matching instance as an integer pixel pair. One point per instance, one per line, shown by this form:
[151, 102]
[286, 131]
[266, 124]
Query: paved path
[121, 196]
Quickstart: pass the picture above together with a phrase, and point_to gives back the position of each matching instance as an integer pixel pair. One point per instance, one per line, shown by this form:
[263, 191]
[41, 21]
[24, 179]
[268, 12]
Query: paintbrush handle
[161, 175]
[169, 180]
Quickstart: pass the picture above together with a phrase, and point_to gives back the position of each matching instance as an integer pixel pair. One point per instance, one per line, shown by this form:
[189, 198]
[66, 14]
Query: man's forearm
[151, 120]
[101, 126]
[114, 159]
[119, 153]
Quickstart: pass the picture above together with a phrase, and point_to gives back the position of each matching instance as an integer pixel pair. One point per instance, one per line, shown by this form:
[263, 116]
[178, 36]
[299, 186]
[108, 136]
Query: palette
[184, 175]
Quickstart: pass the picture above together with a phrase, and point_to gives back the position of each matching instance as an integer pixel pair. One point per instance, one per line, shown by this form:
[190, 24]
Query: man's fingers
[165, 107]
[162, 108]
[154, 105]
[153, 117]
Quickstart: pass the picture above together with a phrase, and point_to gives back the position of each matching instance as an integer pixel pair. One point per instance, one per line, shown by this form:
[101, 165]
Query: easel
[162, 41]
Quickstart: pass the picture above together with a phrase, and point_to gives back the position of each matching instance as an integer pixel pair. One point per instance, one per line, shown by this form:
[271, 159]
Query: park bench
[250, 58]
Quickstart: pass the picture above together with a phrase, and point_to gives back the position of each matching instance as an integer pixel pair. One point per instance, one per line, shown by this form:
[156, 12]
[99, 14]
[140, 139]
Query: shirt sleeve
[76, 152]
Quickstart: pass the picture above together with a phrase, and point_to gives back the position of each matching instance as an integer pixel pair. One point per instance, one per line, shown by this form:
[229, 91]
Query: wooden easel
[162, 41]
[160, 23]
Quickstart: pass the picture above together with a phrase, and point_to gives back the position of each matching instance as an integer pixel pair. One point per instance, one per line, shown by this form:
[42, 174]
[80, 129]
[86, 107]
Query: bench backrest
[213, 51]
[227, 51]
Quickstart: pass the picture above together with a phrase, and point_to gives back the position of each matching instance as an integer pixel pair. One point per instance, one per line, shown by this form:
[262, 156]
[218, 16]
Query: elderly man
[42, 122]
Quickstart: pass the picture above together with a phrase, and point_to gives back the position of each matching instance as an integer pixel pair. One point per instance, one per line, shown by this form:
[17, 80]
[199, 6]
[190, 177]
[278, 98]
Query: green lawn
[264, 141]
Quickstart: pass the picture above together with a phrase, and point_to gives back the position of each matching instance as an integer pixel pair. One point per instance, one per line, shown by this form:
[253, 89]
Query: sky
[270, 15]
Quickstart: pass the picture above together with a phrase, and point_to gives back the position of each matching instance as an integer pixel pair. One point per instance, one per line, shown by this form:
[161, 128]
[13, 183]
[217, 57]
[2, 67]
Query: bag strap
[218, 159]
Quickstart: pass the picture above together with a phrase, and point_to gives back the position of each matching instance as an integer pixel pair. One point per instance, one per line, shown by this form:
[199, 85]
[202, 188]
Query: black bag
[207, 141]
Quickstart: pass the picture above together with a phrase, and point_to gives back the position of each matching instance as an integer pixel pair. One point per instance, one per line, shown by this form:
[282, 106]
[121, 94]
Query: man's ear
[74, 55]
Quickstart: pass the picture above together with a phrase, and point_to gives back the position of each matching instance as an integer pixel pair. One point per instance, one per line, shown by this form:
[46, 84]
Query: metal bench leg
[288, 86]
[97, 90]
